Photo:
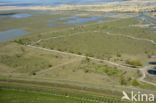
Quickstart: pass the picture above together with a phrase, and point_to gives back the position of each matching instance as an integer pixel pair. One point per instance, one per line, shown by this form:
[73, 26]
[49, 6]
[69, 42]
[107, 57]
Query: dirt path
[107, 33]
[56, 37]
[82, 56]
[132, 37]
[57, 66]
[143, 71]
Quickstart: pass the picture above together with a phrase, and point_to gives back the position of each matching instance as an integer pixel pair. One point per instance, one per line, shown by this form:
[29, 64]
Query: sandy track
[143, 71]
[57, 66]
[82, 56]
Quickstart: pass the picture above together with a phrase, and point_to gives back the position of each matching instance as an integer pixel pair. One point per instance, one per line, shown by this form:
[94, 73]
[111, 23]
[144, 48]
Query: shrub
[110, 71]
[79, 53]
[146, 52]
[87, 59]
[134, 63]
[135, 82]
[118, 55]
[86, 70]
[19, 41]
[50, 65]
[123, 81]
[33, 73]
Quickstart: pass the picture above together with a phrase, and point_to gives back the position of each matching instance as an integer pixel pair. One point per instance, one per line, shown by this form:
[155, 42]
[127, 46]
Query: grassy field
[32, 93]
[16, 96]
[62, 54]
[117, 41]
[24, 61]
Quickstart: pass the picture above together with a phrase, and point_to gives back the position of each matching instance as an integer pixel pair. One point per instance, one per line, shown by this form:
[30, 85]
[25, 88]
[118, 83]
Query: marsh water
[72, 19]
[20, 16]
[11, 34]
[61, 20]
[52, 2]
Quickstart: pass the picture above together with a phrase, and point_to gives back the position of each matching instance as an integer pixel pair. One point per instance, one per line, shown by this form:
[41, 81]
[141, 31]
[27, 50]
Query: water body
[73, 20]
[152, 71]
[11, 34]
[149, 20]
[20, 16]
[81, 20]
[15, 15]
[77, 20]
[52, 2]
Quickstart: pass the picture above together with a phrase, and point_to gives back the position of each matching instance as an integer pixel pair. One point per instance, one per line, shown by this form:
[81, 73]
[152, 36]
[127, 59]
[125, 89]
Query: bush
[87, 59]
[123, 81]
[134, 63]
[79, 53]
[50, 65]
[135, 82]
[19, 41]
[33, 73]
[118, 55]
[86, 70]
[110, 71]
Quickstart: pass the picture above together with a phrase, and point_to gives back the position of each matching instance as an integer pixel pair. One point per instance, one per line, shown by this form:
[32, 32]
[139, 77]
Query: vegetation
[20, 59]
[17, 96]
[134, 63]
[135, 82]
[108, 70]
[118, 41]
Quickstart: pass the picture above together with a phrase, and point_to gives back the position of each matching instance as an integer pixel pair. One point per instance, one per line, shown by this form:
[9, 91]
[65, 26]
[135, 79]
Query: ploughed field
[101, 51]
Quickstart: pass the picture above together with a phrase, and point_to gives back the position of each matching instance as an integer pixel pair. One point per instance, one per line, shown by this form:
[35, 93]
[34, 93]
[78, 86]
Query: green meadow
[15, 96]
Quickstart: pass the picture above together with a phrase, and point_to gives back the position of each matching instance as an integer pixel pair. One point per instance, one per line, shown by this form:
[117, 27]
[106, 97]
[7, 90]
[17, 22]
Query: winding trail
[57, 66]
[55, 37]
[107, 33]
[143, 71]
[132, 37]
[82, 56]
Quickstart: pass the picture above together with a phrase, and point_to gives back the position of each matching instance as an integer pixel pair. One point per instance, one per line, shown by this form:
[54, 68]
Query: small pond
[152, 71]
[81, 20]
[20, 16]
[11, 34]
[152, 63]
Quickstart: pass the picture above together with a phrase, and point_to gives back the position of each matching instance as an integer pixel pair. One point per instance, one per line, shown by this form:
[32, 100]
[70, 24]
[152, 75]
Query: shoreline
[126, 6]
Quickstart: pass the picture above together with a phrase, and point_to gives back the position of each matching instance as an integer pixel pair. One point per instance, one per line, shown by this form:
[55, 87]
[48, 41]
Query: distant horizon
[57, 2]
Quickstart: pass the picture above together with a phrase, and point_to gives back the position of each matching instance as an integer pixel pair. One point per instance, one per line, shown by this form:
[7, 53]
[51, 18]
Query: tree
[134, 63]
